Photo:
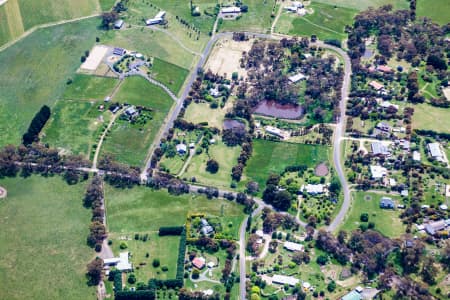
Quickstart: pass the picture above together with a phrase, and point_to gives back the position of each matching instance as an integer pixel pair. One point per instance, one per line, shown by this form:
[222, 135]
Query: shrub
[156, 262]
[131, 278]
[123, 245]
[165, 268]
[195, 274]
[173, 230]
[364, 217]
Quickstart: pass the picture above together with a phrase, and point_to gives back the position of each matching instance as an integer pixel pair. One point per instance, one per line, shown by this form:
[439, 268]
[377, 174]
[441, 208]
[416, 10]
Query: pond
[232, 124]
[284, 111]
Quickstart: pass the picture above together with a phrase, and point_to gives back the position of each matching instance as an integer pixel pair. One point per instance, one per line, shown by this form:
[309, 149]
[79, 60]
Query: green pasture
[436, 10]
[106, 5]
[364, 4]
[169, 74]
[202, 112]
[431, 118]
[43, 251]
[85, 87]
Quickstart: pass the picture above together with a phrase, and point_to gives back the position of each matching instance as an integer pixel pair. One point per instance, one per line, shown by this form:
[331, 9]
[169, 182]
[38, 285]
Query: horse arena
[3, 192]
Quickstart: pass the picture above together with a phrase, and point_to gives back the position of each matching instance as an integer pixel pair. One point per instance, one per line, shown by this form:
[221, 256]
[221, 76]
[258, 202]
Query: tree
[322, 260]
[212, 166]
[132, 278]
[429, 271]
[282, 200]
[364, 217]
[156, 262]
[331, 286]
[301, 295]
[108, 19]
[94, 271]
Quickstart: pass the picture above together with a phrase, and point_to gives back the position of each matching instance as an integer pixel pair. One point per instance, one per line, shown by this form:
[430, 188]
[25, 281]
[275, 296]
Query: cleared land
[169, 74]
[43, 252]
[272, 157]
[129, 143]
[431, 118]
[436, 10]
[364, 4]
[11, 25]
[386, 221]
[202, 112]
[106, 4]
[326, 22]
[225, 57]
[85, 87]
[35, 70]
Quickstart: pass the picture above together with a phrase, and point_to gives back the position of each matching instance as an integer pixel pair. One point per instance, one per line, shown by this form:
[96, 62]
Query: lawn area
[106, 5]
[224, 155]
[386, 221]
[272, 157]
[35, 70]
[150, 43]
[257, 19]
[43, 253]
[127, 142]
[431, 118]
[74, 126]
[85, 87]
[142, 209]
[364, 4]
[327, 22]
[202, 112]
[171, 75]
[436, 10]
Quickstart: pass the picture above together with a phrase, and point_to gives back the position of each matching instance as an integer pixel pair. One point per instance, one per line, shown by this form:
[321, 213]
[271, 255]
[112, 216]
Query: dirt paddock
[225, 57]
[3, 192]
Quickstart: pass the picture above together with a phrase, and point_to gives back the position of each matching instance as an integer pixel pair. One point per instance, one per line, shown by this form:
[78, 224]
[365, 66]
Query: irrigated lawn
[35, 70]
[431, 118]
[364, 4]
[85, 87]
[257, 19]
[273, 157]
[436, 10]
[387, 221]
[171, 75]
[74, 126]
[43, 252]
[224, 155]
[127, 142]
[142, 209]
[327, 22]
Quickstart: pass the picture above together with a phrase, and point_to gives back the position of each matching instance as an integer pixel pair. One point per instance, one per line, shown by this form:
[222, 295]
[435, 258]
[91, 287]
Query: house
[416, 156]
[387, 203]
[405, 145]
[131, 112]
[199, 262]
[376, 85]
[119, 51]
[384, 126]
[121, 262]
[378, 171]
[159, 18]
[433, 227]
[281, 279]
[230, 10]
[313, 189]
[118, 24]
[297, 77]
[443, 207]
[191, 145]
[387, 104]
[283, 134]
[434, 150]
[384, 69]
[181, 149]
[108, 98]
[293, 246]
[353, 295]
[379, 149]
[214, 92]
[392, 182]
[206, 229]
[404, 193]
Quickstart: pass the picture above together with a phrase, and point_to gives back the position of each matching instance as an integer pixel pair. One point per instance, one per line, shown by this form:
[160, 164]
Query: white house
[313, 188]
[416, 156]
[281, 279]
[231, 10]
[121, 262]
[283, 134]
[435, 151]
[181, 149]
[293, 246]
[378, 171]
[297, 77]
[157, 19]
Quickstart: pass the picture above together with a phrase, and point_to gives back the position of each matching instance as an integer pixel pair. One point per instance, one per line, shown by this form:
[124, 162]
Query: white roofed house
[283, 134]
[159, 18]
[379, 149]
[122, 262]
[293, 246]
[118, 24]
[297, 77]
[378, 172]
[230, 10]
[435, 151]
[313, 189]
[181, 149]
[281, 279]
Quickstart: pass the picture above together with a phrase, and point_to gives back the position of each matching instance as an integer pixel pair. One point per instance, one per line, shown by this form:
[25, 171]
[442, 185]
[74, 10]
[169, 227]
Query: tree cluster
[38, 122]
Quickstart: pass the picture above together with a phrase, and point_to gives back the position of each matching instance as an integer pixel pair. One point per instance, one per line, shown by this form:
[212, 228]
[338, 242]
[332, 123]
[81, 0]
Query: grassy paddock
[171, 75]
[386, 221]
[43, 252]
[431, 118]
[272, 157]
[106, 5]
[437, 10]
[35, 70]
[85, 87]
[364, 4]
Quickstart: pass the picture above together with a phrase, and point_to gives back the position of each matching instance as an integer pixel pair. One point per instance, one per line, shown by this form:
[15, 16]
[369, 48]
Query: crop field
[85, 87]
[43, 252]
[224, 155]
[387, 221]
[272, 157]
[364, 4]
[327, 22]
[436, 10]
[169, 74]
[35, 70]
[431, 118]
[129, 143]
[74, 126]
[151, 43]
[11, 25]
[142, 209]
[257, 19]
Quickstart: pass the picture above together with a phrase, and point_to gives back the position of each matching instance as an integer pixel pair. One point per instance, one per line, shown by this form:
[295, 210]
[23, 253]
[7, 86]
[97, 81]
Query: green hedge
[171, 230]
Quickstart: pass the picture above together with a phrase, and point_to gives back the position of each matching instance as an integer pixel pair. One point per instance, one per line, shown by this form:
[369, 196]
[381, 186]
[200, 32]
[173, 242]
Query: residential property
[206, 229]
[181, 149]
[313, 189]
[281, 279]
[214, 92]
[121, 263]
[416, 156]
[378, 171]
[376, 85]
[353, 295]
[384, 69]
[199, 262]
[384, 127]
[119, 51]
[387, 104]
[118, 24]
[283, 134]
[387, 203]
[433, 227]
[230, 10]
[297, 77]
[434, 150]
[380, 149]
[158, 19]
[293, 246]
[131, 112]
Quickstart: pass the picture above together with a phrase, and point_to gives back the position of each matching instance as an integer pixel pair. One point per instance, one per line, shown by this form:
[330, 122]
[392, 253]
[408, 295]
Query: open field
[327, 22]
[43, 252]
[224, 155]
[364, 4]
[11, 25]
[202, 112]
[35, 70]
[272, 157]
[142, 209]
[106, 5]
[74, 126]
[85, 87]
[150, 43]
[169, 74]
[431, 118]
[436, 10]
[386, 221]
[257, 19]
[127, 142]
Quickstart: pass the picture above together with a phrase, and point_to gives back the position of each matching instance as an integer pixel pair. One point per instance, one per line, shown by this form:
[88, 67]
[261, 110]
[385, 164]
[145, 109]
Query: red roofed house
[384, 69]
[376, 85]
[199, 262]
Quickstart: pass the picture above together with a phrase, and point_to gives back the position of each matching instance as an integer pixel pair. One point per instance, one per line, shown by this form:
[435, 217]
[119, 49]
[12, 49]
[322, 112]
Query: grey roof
[118, 23]
[386, 202]
[379, 149]
[435, 150]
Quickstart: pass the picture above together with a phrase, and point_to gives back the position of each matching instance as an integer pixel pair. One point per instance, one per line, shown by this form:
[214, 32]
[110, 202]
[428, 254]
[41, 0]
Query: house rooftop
[293, 246]
[378, 171]
[376, 85]
[379, 149]
[297, 77]
[199, 262]
[231, 10]
[281, 279]
[313, 188]
[353, 295]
